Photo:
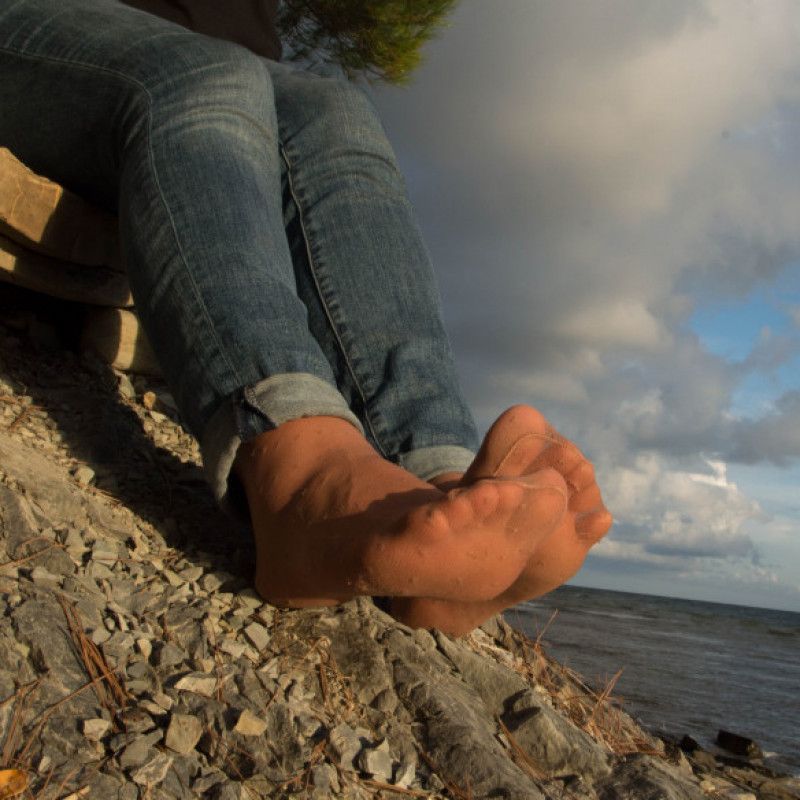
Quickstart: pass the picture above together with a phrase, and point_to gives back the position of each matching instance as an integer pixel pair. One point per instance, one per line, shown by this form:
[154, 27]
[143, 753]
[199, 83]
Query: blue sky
[611, 196]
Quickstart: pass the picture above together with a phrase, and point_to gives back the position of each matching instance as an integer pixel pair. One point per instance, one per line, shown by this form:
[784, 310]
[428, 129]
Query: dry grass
[519, 756]
[597, 713]
[16, 752]
[110, 692]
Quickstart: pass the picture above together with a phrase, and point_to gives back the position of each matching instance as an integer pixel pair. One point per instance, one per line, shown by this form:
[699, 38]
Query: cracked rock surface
[137, 662]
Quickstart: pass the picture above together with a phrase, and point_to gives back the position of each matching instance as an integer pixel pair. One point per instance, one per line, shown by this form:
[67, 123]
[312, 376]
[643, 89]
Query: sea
[688, 667]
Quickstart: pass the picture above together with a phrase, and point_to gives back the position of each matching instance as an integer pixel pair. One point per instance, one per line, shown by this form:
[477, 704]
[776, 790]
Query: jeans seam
[187, 272]
[323, 301]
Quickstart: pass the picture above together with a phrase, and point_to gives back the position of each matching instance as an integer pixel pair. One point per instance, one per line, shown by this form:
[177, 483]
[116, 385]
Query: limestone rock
[258, 635]
[65, 280]
[183, 733]
[249, 724]
[645, 778]
[461, 741]
[345, 744]
[199, 683]
[152, 773]
[556, 746]
[117, 338]
[377, 763]
[95, 728]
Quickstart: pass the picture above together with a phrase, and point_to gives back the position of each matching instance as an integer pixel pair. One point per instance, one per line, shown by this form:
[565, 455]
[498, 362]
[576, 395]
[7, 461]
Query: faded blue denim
[273, 254]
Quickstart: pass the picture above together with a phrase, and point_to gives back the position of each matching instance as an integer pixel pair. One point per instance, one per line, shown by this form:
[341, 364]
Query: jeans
[274, 259]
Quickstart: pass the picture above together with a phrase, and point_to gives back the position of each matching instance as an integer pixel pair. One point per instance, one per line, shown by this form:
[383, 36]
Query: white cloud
[679, 513]
[618, 323]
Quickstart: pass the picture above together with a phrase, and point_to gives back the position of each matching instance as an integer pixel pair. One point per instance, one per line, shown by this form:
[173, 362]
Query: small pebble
[152, 773]
[198, 683]
[83, 475]
[183, 733]
[145, 647]
[258, 635]
[95, 729]
[249, 724]
[210, 582]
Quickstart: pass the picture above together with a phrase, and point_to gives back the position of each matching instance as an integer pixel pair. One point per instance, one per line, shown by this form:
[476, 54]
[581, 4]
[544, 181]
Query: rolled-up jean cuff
[428, 462]
[254, 410]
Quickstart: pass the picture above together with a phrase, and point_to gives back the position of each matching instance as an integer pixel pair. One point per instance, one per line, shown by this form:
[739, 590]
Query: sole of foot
[521, 442]
[333, 520]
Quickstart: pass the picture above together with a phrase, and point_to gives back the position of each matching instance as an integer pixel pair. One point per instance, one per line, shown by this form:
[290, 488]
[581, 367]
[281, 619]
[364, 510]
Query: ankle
[285, 457]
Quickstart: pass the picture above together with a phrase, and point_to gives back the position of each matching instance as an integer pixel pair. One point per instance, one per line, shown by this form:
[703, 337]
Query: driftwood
[114, 334]
[63, 279]
[55, 243]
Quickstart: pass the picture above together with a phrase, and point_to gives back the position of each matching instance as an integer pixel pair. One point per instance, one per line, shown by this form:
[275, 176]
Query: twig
[94, 661]
[388, 787]
[305, 773]
[323, 683]
[538, 643]
[454, 789]
[50, 711]
[20, 696]
[227, 760]
[17, 561]
[19, 419]
[530, 767]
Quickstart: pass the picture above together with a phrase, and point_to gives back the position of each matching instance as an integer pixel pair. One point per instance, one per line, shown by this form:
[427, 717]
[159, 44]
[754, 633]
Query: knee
[192, 73]
[338, 121]
[338, 99]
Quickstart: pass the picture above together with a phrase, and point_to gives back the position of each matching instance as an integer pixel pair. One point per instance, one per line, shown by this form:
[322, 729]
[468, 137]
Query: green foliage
[380, 39]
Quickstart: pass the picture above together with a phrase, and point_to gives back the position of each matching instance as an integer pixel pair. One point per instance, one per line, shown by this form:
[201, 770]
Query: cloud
[674, 512]
[585, 174]
[774, 437]
[770, 352]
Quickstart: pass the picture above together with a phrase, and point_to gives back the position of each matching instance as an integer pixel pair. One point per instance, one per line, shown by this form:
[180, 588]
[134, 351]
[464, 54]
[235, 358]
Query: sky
[611, 196]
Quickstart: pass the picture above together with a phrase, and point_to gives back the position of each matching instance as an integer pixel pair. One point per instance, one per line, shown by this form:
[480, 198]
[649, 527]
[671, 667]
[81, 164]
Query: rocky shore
[137, 662]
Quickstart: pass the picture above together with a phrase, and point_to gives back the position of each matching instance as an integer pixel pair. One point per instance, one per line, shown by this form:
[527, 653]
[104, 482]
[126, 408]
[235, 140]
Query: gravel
[136, 661]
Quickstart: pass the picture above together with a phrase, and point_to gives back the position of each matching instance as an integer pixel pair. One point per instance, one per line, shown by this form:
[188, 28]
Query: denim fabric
[273, 254]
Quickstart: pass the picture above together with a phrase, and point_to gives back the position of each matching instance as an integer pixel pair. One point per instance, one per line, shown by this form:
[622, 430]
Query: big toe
[515, 441]
[546, 500]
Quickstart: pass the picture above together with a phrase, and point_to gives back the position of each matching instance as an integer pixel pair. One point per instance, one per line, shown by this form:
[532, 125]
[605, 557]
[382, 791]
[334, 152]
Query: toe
[588, 499]
[562, 455]
[581, 475]
[543, 504]
[592, 526]
[513, 443]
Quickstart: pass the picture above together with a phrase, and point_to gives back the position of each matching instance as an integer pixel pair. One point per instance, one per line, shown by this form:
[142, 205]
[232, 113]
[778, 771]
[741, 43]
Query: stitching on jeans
[195, 289]
[323, 301]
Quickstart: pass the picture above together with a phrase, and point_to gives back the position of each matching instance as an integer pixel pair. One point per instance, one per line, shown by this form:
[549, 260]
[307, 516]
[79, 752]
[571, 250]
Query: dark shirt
[250, 23]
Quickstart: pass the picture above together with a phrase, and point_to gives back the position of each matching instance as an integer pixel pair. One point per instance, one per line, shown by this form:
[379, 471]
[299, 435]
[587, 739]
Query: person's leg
[177, 131]
[364, 273]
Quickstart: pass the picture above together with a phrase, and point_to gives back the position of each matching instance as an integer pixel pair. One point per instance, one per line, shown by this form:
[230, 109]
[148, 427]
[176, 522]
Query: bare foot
[522, 442]
[332, 520]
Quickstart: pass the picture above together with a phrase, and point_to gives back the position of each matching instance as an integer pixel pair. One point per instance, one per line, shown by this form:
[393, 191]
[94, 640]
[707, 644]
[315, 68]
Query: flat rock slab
[44, 217]
[65, 280]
